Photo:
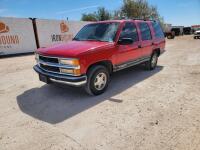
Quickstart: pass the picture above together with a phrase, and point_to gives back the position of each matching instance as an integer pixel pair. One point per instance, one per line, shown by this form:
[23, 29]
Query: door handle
[152, 43]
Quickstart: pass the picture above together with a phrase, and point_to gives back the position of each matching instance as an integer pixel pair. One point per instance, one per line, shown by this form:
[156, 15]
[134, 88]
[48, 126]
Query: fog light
[68, 71]
[75, 72]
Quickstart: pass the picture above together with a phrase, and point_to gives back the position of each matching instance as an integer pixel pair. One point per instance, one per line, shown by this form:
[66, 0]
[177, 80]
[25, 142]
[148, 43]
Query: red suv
[100, 49]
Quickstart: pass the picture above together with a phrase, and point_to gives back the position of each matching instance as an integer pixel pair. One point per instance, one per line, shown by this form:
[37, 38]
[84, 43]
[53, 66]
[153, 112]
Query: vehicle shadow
[56, 103]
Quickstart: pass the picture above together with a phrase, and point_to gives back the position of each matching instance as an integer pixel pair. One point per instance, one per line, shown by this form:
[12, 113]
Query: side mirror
[125, 41]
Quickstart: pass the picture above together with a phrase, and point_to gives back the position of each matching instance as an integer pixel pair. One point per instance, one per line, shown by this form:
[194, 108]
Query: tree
[88, 17]
[139, 9]
[103, 14]
[99, 15]
[130, 9]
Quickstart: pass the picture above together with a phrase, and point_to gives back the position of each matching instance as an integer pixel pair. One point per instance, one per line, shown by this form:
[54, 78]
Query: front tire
[97, 81]
[152, 63]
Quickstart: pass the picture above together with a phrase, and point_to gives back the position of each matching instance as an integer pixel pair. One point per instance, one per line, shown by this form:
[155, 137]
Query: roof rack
[143, 19]
[138, 19]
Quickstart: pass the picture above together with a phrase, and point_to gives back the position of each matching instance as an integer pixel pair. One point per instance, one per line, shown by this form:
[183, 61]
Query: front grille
[50, 68]
[46, 62]
[48, 59]
[51, 64]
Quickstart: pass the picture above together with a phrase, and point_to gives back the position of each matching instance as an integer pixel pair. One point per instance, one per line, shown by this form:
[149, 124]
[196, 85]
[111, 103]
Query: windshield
[104, 32]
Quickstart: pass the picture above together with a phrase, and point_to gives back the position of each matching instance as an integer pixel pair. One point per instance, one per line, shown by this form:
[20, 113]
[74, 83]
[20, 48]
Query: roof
[123, 20]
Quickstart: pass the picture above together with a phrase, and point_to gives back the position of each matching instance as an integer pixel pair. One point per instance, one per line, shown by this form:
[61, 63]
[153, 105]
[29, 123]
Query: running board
[130, 64]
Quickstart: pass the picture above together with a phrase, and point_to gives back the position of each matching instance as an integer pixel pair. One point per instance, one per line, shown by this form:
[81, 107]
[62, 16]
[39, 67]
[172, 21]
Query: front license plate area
[44, 78]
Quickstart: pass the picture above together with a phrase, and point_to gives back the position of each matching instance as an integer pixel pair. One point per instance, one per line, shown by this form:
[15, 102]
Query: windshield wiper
[95, 40]
[76, 39]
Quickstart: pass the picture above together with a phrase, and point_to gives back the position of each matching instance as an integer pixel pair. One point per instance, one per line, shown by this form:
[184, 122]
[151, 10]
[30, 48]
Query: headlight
[75, 70]
[72, 62]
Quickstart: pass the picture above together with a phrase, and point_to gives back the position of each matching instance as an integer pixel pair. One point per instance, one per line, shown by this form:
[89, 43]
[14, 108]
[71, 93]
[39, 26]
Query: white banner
[57, 31]
[16, 36]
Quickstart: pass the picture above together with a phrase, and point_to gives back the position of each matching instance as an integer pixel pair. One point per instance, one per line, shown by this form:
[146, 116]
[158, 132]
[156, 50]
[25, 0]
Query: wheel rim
[100, 81]
[154, 60]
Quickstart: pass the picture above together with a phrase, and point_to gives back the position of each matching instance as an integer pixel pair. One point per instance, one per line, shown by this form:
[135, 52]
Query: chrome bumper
[69, 80]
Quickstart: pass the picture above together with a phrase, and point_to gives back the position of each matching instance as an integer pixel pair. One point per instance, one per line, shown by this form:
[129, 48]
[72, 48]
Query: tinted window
[129, 31]
[158, 30]
[145, 31]
[98, 32]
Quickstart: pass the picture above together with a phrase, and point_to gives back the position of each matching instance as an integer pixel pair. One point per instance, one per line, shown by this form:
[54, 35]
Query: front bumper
[66, 79]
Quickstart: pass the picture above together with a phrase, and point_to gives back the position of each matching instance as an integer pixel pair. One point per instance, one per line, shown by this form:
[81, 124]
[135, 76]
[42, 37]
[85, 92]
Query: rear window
[145, 31]
[158, 30]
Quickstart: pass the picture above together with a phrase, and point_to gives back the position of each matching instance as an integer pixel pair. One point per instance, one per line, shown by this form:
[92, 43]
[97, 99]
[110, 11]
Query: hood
[72, 48]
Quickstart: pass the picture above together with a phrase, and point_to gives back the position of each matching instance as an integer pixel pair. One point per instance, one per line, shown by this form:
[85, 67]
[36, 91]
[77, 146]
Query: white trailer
[16, 36]
[24, 35]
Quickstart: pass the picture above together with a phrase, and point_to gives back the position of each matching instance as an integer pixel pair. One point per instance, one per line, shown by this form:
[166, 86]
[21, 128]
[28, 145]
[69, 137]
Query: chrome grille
[48, 59]
[49, 64]
[52, 65]
[50, 68]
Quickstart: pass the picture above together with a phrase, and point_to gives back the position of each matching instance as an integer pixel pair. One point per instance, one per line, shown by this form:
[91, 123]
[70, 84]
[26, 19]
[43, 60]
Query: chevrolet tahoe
[98, 50]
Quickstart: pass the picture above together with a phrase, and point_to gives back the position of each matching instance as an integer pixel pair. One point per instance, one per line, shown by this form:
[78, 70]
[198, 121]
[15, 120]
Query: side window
[145, 31]
[158, 30]
[129, 31]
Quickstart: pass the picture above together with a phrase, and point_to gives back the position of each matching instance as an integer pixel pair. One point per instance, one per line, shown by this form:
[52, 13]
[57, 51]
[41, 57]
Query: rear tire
[152, 63]
[97, 80]
[169, 36]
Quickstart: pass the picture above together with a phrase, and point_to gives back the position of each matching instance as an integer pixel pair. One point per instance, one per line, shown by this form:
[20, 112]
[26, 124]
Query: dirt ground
[142, 110]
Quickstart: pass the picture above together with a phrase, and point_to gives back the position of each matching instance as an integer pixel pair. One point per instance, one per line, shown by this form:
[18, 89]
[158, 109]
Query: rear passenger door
[127, 53]
[146, 39]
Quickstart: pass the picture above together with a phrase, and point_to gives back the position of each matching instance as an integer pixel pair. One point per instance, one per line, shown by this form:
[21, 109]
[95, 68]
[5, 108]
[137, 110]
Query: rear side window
[158, 30]
[129, 31]
[145, 31]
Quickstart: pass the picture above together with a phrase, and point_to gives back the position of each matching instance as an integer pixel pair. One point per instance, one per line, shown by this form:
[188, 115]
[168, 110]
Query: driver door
[130, 52]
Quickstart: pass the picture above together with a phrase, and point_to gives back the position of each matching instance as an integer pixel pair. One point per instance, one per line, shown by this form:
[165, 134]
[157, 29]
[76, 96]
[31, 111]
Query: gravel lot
[142, 110]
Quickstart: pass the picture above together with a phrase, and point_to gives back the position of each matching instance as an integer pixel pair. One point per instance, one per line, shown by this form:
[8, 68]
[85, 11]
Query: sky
[176, 12]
